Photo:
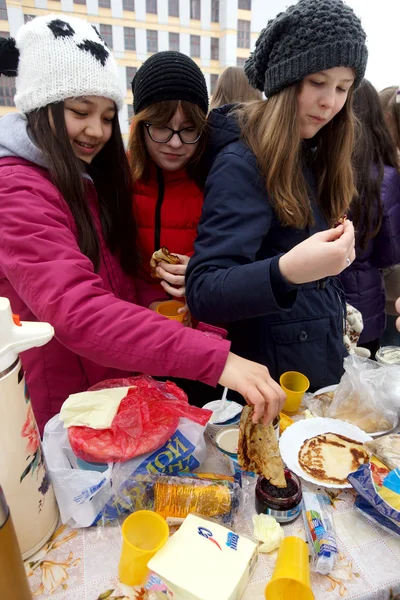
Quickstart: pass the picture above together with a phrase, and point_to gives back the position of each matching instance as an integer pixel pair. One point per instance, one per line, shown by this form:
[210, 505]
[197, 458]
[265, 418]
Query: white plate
[332, 388]
[294, 436]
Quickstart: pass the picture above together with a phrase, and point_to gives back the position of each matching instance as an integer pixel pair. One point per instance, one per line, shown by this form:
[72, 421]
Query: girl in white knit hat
[67, 243]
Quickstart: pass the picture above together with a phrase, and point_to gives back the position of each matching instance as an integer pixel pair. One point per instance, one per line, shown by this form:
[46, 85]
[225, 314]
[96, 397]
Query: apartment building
[215, 33]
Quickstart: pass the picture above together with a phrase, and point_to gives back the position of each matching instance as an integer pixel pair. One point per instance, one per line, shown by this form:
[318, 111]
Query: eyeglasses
[162, 135]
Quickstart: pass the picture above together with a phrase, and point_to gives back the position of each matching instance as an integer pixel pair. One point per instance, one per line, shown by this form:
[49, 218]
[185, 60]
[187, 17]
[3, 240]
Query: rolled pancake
[330, 457]
[258, 449]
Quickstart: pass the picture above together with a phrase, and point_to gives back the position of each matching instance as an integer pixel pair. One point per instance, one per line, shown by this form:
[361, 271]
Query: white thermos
[23, 473]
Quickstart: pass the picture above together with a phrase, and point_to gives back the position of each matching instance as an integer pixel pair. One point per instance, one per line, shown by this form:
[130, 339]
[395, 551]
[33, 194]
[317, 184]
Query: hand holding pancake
[173, 275]
[324, 254]
[256, 385]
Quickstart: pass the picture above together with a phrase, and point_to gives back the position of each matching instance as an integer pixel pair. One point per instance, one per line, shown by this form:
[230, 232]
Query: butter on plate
[205, 561]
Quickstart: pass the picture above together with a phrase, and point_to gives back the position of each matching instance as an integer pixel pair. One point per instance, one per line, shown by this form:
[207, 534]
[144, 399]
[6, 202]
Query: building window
[130, 74]
[215, 11]
[128, 5]
[151, 7]
[240, 61]
[245, 4]
[152, 41]
[173, 8]
[79, 1]
[104, 3]
[243, 34]
[214, 48]
[214, 79]
[106, 34]
[195, 45]
[174, 41]
[130, 112]
[28, 18]
[3, 12]
[7, 87]
[195, 9]
[129, 38]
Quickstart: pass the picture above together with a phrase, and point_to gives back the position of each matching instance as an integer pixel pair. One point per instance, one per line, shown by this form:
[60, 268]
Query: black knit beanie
[169, 76]
[311, 36]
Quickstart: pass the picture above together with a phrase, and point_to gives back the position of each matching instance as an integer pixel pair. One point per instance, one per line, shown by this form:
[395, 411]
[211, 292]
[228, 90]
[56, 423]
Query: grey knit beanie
[311, 36]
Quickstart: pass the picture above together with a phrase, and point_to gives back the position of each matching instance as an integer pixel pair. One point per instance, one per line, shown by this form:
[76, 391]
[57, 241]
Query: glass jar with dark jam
[284, 504]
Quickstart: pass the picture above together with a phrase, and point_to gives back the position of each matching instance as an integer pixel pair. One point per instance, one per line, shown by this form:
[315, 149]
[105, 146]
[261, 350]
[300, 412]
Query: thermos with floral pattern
[23, 472]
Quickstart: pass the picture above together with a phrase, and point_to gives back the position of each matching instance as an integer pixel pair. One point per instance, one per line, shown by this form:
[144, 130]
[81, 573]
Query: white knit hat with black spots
[57, 57]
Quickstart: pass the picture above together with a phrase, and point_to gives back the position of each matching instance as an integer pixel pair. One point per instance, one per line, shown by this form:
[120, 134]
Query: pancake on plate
[330, 457]
[258, 449]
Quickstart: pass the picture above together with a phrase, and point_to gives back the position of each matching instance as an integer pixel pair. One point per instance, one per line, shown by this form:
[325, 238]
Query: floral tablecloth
[82, 564]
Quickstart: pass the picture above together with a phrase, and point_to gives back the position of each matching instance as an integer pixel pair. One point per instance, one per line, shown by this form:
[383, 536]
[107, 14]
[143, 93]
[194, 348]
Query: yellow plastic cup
[169, 309]
[291, 577]
[295, 385]
[144, 533]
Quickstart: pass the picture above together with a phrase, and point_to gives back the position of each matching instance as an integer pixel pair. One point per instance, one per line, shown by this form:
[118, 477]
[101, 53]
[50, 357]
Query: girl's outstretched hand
[256, 385]
[326, 253]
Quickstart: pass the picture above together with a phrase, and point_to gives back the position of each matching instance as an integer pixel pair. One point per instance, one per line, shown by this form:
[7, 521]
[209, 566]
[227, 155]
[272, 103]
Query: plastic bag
[380, 487]
[368, 396]
[217, 497]
[387, 449]
[147, 417]
[85, 497]
[375, 517]
[320, 531]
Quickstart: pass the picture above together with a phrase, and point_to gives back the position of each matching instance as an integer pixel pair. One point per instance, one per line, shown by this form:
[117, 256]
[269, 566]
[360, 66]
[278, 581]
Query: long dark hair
[112, 179]
[374, 149]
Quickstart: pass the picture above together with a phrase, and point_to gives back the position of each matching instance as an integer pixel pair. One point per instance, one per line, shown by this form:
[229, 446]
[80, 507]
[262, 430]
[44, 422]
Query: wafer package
[218, 497]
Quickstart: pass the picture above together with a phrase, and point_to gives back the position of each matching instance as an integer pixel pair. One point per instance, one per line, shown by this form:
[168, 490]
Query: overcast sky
[381, 21]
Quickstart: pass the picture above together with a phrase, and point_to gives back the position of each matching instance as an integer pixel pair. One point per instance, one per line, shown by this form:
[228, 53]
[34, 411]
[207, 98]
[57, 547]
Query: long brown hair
[233, 86]
[391, 110]
[272, 132]
[111, 176]
[374, 149]
[160, 113]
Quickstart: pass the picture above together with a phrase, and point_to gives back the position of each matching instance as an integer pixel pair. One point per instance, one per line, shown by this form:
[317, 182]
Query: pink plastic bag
[147, 417]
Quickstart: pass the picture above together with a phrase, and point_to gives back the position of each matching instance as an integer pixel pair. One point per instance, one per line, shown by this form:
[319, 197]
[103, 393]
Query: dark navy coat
[363, 280]
[234, 279]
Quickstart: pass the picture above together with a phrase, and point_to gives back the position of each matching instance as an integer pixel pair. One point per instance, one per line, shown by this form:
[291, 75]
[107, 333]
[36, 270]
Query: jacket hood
[15, 140]
[223, 130]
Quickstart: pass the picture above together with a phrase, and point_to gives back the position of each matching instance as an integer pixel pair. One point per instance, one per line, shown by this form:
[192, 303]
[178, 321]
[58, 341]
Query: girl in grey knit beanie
[281, 178]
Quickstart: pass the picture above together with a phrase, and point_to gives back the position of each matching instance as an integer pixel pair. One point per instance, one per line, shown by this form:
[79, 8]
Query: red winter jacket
[167, 209]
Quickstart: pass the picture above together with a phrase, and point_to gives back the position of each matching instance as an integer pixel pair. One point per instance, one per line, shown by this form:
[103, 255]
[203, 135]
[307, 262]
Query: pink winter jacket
[100, 331]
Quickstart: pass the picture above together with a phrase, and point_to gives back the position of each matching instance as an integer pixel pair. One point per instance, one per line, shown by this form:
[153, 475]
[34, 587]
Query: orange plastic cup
[144, 533]
[291, 577]
[295, 385]
[170, 309]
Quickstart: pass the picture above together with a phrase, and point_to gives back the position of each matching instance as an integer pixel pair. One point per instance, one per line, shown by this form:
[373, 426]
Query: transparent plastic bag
[368, 396]
[214, 496]
[320, 531]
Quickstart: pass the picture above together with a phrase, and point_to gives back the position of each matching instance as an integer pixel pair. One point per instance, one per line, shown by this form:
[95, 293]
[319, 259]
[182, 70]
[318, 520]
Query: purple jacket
[100, 331]
[363, 280]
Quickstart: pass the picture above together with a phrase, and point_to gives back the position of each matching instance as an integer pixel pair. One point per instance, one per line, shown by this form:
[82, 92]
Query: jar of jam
[284, 504]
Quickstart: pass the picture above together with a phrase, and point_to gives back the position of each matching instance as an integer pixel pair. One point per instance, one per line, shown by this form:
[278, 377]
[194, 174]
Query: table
[82, 564]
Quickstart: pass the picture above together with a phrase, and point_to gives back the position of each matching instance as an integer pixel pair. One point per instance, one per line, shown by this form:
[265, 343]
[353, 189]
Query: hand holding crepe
[258, 449]
[368, 396]
[162, 255]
